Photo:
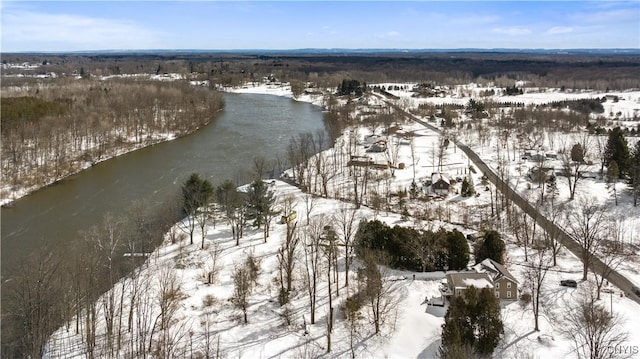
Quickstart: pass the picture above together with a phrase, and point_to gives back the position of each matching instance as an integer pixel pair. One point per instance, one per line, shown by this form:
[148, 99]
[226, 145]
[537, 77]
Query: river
[250, 125]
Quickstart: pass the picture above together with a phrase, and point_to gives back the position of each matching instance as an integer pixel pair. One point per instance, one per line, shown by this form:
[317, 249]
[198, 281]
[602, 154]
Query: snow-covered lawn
[410, 328]
[520, 340]
[412, 331]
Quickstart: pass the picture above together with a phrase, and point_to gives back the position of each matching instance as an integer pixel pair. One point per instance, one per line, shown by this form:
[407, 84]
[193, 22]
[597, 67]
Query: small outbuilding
[440, 184]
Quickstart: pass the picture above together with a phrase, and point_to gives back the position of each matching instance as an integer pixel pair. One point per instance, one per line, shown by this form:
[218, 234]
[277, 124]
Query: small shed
[289, 217]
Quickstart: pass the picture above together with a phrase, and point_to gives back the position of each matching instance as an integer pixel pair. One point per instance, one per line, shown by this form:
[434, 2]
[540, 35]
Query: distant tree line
[583, 106]
[571, 72]
[512, 90]
[351, 87]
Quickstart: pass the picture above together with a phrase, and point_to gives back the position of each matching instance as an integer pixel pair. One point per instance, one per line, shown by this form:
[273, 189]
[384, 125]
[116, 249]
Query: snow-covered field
[412, 331]
[413, 328]
[266, 335]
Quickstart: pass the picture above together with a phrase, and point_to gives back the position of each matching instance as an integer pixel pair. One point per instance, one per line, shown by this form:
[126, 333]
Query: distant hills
[345, 51]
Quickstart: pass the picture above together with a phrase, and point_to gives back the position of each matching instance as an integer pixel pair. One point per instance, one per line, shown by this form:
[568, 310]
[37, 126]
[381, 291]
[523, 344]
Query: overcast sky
[217, 25]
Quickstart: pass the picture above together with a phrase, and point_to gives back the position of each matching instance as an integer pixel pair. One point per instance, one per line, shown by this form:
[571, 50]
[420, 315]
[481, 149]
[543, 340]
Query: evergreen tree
[488, 322]
[635, 173]
[413, 190]
[612, 172]
[472, 325]
[491, 247]
[349, 87]
[511, 91]
[454, 345]
[458, 250]
[467, 188]
[577, 153]
[196, 193]
[618, 150]
[260, 201]
[612, 177]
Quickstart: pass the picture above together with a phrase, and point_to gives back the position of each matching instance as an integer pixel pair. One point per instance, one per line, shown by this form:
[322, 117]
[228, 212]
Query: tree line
[51, 131]
[574, 71]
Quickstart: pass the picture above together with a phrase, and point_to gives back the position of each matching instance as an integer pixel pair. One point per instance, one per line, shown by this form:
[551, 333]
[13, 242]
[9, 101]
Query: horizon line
[336, 49]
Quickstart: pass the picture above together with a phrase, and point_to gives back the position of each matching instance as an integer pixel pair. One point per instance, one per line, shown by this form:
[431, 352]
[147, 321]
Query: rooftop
[468, 279]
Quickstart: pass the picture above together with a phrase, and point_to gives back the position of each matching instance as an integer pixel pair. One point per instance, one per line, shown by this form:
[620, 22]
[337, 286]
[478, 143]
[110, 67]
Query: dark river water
[249, 126]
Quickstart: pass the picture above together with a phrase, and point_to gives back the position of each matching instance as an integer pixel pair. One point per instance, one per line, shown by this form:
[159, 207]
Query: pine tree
[454, 346]
[467, 188]
[458, 250]
[489, 326]
[577, 153]
[618, 150]
[196, 193]
[492, 247]
[612, 177]
[635, 173]
[472, 324]
[259, 202]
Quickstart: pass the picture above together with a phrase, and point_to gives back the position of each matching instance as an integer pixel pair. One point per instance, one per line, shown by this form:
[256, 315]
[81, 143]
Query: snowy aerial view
[320, 179]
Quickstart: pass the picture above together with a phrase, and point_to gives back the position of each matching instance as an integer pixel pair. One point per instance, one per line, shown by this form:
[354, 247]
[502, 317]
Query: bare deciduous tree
[592, 329]
[312, 254]
[551, 234]
[535, 274]
[33, 294]
[211, 265]
[586, 224]
[345, 219]
[611, 253]
[245, 277]
[573, 164]
[327, 171]
[286, 255]
[168, 296]
[375, 291]
[309, 204]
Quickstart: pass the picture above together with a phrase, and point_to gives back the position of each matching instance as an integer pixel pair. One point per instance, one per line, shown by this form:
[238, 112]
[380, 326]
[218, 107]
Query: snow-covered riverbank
[281, 89]
[11, 194]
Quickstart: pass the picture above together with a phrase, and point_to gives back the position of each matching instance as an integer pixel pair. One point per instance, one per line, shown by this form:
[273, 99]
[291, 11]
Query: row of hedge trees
[411, 249]
[408, 248]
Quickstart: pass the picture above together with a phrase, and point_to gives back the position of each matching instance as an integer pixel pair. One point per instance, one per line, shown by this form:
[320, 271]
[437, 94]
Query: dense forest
[580, 70]
[55, 129]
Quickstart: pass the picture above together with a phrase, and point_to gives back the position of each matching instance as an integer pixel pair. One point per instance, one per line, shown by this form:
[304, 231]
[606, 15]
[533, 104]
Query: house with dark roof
[440, 183]
[504, 283]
